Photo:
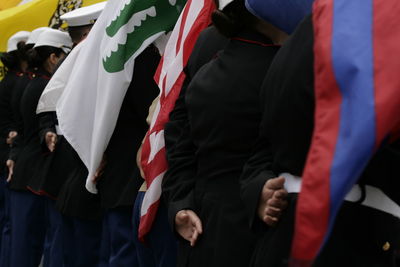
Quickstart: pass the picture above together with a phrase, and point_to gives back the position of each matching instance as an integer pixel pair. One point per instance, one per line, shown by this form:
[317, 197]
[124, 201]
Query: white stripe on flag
[153, 193]
[169, 73]
[157, 143]
[177, 65]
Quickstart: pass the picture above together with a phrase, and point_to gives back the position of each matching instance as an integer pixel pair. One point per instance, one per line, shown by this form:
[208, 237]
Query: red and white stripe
[195, 17]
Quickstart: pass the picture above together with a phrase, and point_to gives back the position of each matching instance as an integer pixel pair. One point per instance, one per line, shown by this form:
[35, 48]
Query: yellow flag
[4, 4]
[34, 14]
[37, 13]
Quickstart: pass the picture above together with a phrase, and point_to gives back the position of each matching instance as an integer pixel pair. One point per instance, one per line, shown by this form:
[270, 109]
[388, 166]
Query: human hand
[10, 165]
[11, 136]
[188, 225]
[100, 170]
[51, 140]
[272, 201]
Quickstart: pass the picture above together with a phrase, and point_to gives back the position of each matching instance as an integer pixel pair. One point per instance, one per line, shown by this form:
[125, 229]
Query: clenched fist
[272, 201]
[51, 140]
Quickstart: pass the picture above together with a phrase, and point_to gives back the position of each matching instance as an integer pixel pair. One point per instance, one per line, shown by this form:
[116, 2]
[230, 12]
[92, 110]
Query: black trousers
[357, 239]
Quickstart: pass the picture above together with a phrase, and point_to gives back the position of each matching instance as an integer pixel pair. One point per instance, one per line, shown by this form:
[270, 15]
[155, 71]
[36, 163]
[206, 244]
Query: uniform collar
[254, 37]
[16, 72]
[40, 72]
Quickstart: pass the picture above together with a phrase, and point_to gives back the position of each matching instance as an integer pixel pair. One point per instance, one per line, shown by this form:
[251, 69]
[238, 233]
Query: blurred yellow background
[34, 14]
[8, 3]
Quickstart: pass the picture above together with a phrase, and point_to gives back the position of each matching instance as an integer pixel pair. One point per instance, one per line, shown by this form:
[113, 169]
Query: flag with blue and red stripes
[357, 90]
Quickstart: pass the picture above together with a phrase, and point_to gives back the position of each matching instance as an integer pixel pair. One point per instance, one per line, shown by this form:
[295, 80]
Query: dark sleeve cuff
[14, 152]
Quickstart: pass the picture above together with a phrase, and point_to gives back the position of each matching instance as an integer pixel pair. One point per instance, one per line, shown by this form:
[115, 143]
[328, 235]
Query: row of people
[237, 139]
[49, 214]
[237, 144]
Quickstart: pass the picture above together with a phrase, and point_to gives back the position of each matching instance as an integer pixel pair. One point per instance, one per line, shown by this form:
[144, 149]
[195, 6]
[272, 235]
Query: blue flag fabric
[284, 14]
[357, 107]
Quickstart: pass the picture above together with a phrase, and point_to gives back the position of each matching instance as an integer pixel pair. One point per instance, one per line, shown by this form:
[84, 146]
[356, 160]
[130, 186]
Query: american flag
[195, 17]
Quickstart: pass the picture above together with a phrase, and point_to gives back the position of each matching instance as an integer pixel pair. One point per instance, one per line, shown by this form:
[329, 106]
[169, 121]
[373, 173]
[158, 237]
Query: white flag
[89, 106]
[54, 89]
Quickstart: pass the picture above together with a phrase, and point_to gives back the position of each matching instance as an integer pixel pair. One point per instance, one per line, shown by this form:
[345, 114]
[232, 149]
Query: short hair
[39, 55]
[78, 33]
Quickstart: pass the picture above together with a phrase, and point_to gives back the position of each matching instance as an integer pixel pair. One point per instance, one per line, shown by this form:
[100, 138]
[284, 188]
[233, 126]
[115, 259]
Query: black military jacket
[29, 157]
[7, 123]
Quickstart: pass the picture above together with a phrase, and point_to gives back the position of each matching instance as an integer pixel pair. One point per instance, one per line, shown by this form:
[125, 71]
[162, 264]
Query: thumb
[52, 147]
[10, 173]
[276, 183]
[182, 217]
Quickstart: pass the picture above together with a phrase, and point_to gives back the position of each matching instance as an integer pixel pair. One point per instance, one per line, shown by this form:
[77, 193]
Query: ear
[53, 58]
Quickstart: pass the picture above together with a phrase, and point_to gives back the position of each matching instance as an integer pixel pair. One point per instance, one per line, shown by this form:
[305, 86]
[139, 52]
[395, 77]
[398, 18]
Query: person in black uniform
[120, 179]
[61, 163]
[16, 96]
[28, 224]
[81, 20]
[161, 249]
[361, 236]
[15, 62]
[223, 114]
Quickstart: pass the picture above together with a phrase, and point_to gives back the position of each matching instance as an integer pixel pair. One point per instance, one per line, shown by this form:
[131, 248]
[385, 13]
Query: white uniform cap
[224, 3]
[84, 15]
[55, 38]
[21, 36]
[35, 35]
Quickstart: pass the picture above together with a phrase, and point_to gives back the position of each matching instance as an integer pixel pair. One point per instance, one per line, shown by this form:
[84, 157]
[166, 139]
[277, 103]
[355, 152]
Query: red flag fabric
[357, 110]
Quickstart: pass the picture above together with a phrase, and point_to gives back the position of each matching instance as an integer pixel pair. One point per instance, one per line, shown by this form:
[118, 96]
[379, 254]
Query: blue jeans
[161, 247]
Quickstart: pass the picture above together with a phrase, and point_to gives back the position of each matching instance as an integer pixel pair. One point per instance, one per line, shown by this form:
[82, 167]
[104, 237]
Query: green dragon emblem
[137, 21]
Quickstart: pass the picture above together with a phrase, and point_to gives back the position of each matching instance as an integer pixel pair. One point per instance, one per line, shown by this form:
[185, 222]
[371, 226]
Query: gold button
[386, 246]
